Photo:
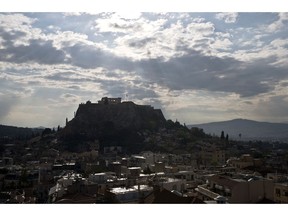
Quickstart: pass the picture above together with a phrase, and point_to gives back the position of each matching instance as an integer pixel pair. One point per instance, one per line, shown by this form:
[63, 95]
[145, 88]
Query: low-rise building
[211, 156]
[132, 194]
[281, 192]
[99, 178]
[237, 190]
[244, 161]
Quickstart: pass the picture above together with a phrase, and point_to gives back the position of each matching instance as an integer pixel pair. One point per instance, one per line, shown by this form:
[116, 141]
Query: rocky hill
[112, 123]
[120, 116]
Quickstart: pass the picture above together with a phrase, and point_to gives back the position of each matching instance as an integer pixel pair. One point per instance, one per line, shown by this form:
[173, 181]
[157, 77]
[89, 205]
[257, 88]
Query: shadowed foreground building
[237, 190]
[163, 196]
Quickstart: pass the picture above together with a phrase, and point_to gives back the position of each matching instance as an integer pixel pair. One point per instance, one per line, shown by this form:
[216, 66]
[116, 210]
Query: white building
[132, 194]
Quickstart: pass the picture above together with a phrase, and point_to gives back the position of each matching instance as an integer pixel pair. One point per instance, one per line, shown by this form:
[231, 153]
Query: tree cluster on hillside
[19, 133]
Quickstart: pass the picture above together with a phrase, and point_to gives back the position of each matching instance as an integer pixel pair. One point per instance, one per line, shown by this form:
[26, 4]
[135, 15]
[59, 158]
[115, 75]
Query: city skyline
[196, 67]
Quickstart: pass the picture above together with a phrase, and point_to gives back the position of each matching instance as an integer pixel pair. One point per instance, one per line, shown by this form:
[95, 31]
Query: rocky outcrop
[112, 122]
[121, 116]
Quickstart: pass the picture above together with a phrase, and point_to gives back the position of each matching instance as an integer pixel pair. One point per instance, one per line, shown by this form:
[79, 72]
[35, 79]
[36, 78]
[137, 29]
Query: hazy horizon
[195, 67]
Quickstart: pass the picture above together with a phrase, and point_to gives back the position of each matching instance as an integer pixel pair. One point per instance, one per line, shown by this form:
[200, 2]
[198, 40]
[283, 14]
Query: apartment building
[237, 190]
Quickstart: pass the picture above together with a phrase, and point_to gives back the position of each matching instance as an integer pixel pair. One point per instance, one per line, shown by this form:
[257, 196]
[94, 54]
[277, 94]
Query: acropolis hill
[110, 118]
[119, 114]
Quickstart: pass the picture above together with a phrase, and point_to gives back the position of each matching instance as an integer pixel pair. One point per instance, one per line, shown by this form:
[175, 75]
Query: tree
[222, 135]
[198, 132]
[46, 131]
[227, 137]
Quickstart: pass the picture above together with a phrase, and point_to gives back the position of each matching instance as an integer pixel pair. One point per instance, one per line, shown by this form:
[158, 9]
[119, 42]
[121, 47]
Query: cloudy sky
[196, 67]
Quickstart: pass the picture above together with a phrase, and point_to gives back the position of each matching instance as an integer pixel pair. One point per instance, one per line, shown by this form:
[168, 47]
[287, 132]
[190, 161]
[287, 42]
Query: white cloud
[129, 14]
[278, 24]
[194, 69]
[165, 38]
[63, 39]
[18, 29]
[224, 44]
[114, 22]
[72, 14]
[227, 17]
[279, 43]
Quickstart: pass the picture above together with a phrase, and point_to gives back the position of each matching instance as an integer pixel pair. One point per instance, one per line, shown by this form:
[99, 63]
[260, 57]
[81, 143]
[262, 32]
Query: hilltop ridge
[119, 114]
[112, 122]
[249, 129]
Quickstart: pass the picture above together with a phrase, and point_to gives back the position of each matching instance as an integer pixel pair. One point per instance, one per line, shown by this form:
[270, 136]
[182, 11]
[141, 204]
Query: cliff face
[122, 115]
[112, 123]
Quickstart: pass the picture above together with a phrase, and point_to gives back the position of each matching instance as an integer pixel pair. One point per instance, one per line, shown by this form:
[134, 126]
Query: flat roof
[123, 190]
[98, 174]
[139, 157]
[134, 168]
[185, 171]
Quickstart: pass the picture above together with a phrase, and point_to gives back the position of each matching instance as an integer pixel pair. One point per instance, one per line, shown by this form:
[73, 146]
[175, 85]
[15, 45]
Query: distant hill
[18, 132]
[249, 130]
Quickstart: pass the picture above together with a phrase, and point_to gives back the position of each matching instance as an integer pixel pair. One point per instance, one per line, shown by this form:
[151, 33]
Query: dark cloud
[39, 51]
[191, 71]
[285, 84]
[197, 71]
[121, 88]
[126, 26]
[70, 77]
[9, 36]
[74, 87]
[31, 83]
[140, 43]
[85, 56]
[65, 76]
[248, 102]
[68, 95]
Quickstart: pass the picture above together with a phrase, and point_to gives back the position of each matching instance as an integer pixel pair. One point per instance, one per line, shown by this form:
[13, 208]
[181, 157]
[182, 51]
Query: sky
[195, 67]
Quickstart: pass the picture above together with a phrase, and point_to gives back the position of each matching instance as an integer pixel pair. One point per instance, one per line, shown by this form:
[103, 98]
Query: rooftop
[225, 181]
[123, 190]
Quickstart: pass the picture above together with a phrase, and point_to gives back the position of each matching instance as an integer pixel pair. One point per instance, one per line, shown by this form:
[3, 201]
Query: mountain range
[243, 129]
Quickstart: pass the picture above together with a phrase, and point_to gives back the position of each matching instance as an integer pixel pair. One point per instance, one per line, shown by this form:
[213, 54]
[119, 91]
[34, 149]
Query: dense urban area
[135, 155]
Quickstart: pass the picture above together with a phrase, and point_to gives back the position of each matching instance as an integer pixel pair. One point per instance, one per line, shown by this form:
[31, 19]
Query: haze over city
[196, 67]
